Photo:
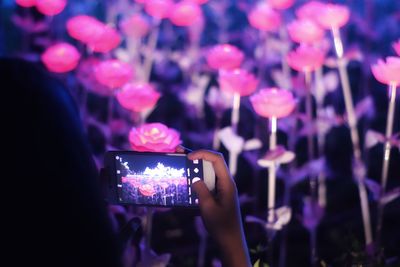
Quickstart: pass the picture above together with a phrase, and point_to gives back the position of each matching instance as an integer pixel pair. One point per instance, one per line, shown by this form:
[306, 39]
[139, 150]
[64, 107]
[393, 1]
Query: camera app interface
[154, 180]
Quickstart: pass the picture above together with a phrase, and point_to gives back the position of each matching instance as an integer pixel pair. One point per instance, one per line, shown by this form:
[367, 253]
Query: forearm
[234, 250]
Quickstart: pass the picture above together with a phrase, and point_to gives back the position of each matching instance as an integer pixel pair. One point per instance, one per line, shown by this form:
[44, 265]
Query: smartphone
[155, 179]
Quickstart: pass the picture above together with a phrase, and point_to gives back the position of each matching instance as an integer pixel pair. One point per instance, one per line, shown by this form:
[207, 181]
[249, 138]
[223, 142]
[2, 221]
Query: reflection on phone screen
[154, 180]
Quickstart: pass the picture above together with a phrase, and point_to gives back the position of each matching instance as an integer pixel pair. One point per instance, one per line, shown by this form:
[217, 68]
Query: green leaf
[257, 264]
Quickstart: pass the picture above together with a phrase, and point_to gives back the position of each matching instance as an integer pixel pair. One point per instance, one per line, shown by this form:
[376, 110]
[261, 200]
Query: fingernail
[195, 180]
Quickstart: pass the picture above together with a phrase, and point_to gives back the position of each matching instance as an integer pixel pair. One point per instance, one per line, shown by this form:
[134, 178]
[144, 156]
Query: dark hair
[58, 216]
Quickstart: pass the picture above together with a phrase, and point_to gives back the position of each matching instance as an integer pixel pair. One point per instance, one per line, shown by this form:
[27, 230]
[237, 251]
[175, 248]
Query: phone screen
[156, 179]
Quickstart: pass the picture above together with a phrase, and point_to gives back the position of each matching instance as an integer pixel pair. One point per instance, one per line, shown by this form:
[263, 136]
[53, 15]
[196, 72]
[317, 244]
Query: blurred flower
[185, 13]
[237, 81]
[200, 2]
[25, 3]
[135, 26]
[224, 56]
[154, 137]
[310, 10]
[84, 28]
[264, 18]
[86, 76]
[387, 72]
[333, 16]
[106, 40]
[273, 102]
[113, 73]
[138, 96]
[50, 7]
[396, 46]
[281, 4]
[218, 100]
[305, 31]
[61, 58]
[306, 58]
[159, 9]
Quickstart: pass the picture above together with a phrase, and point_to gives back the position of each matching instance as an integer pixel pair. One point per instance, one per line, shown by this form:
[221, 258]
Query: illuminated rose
[310, 10]
[84, 28]
[237, 81]
[147, 190]
[396, 47]
[273, 102]
[138, 96]
[224, 56]
[86, 76]
[387, 72]
[50, 7]
[25, 3]
[306, 58]
[185, 13]
[159, 9]
[113, 73]
[264, 18]
[154, 137]
[281, 4]
[305, 31]
[106, 40]
[61, 58]
[135, 26]
[333, 16]
[200, 2]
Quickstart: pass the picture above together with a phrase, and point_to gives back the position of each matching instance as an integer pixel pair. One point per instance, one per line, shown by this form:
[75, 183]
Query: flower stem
[386, 158]
[352, 120]
[310, 139]
[152, 44]
[272, 172]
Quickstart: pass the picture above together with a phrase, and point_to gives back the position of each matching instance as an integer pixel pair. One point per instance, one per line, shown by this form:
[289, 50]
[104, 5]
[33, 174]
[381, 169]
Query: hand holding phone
[221, 212]
[155, 179]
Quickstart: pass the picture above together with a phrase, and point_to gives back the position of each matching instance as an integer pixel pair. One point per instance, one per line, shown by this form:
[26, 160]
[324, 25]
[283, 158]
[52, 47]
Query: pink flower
[333, 16]
[306, 58]
[106, 40]
[154, 137]
[264, 18]
[61, 58]
[273, 102]
[305, 31]
[200, 2]
[237, 81]
[113, 73]
[135, 26]
[84, 28]
[310, 10]
[387, 72]
[396, 46]
[26, 3]
[50, 7]
[159, 9]
[281, 4]
[185, 13]
[86, 76]
[138, 96]
[224, 56]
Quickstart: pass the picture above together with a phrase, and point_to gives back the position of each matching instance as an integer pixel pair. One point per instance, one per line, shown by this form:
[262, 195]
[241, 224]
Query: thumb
[204, 195]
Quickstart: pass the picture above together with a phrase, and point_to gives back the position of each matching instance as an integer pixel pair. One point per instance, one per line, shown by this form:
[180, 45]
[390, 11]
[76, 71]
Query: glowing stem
[352, 120]
[233, 157]
[389, 132]
[386, 158]
[235, 112]
[310, 139]
[272, 172]
[148, 62]
[319, 96]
